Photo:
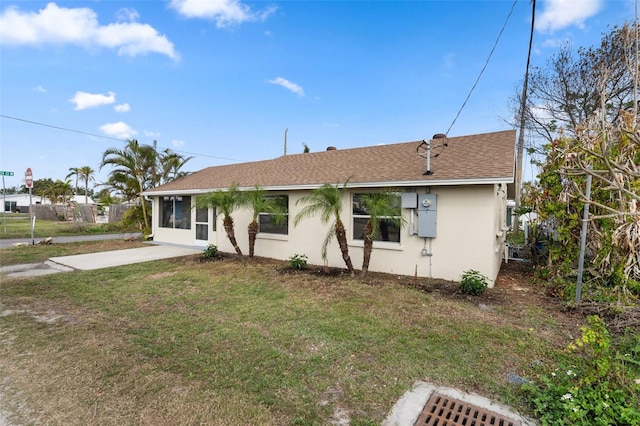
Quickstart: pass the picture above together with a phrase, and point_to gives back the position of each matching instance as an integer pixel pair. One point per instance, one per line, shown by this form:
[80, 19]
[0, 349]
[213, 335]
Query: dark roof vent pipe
[428, 157]
[331, 148]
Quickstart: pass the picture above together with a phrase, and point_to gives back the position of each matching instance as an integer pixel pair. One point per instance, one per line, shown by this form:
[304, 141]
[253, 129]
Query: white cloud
[177, 143]
[127, 14]
[40, 89]
[223, 12]
[150, 134]
[288, 85]
[122, 108]
[118, 130]
[84, 100]
[558, 14]
[79, 26]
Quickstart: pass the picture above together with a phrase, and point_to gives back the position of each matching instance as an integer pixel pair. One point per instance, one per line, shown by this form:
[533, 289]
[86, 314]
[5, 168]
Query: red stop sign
[28, 177]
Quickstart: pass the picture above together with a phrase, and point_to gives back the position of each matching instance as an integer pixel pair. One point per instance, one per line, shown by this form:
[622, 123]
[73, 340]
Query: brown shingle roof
[485, 157]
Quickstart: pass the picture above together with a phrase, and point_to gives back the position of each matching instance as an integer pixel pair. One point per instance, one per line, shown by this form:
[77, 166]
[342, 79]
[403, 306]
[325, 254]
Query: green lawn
[234, 342]
[18, 225]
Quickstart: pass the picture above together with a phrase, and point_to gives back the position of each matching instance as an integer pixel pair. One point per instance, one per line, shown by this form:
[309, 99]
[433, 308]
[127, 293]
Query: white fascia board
[394, 184]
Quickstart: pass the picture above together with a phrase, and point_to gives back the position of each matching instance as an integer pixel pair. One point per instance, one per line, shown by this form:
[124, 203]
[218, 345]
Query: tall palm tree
[382, 208]
[327, 201]
[132, 166]
[259, 203]
[74, 172]
[225, 202]
[170, 165]
[86, 173]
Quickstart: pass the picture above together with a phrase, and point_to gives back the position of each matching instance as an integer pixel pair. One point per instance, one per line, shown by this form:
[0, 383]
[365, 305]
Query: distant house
[456, 213]
[16, 203]
[80, 199]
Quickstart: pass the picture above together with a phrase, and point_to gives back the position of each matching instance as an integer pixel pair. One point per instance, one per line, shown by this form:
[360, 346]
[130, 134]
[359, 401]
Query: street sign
[28, 177]
[6, 173]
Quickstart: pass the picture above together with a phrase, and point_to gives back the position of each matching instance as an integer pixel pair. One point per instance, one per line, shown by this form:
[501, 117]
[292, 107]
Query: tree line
[135, 168]
[582, 116]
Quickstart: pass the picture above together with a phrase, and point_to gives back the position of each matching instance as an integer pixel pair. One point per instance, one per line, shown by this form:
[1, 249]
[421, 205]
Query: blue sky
[222, 80]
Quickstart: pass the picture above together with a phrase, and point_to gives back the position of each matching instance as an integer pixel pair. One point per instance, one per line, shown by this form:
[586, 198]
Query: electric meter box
[409, 200]
[427, 204]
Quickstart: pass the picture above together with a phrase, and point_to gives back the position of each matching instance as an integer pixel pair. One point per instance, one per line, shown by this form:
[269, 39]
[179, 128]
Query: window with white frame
[175, 212]
[272, 223]
[387, 229]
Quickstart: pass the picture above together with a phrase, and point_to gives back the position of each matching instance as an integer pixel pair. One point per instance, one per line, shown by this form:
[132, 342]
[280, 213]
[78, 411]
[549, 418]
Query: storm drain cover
[441, 410]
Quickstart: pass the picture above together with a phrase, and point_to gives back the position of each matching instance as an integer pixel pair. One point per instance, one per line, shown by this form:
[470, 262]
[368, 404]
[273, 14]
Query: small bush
[211, 252]
[473, 282]
[593, 385]
[298, 261]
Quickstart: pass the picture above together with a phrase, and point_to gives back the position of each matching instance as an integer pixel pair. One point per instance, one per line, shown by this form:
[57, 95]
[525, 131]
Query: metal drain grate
[442, 410]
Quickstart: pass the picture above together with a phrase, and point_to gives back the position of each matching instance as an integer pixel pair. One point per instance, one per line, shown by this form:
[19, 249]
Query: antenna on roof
[285, 141]
[427, 147]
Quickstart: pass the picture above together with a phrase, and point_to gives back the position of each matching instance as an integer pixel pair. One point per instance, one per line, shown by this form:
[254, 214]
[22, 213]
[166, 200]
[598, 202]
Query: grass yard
[18, 225]
[237, 342]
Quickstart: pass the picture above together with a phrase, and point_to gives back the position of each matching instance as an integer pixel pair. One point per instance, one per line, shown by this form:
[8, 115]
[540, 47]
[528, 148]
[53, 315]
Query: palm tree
[65, 189]
[139, 167]
[51, 190]
[132, 167]
[86, 173]
[383, 208]
[261, 204]
[327, 200]
[171, 164]
[225, 202]
[74, 172]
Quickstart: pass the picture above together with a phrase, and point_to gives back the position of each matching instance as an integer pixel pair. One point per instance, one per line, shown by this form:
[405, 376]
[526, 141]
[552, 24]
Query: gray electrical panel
[427, 204]
[409, 200]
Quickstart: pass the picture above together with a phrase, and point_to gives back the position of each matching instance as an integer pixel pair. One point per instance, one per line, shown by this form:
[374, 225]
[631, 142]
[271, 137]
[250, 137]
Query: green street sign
[6, 173]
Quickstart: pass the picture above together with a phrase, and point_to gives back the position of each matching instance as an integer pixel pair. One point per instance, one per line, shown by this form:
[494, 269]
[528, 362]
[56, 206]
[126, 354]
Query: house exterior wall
[469, 235]
[20, 202]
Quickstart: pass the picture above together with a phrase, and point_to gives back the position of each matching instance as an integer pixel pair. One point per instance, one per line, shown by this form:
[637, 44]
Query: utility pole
[520, 145]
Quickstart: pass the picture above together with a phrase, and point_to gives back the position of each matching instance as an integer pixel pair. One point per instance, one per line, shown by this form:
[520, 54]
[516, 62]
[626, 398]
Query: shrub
[594, 386]
[211, 252]
[473, 282]
[298, 261]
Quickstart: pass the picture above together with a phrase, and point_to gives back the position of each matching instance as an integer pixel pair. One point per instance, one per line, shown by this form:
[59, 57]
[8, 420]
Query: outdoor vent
[331, 148]
[442, 410]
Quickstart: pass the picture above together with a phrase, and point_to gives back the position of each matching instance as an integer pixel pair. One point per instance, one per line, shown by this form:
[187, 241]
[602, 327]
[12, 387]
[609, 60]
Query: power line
[484, 67]
[65, 129]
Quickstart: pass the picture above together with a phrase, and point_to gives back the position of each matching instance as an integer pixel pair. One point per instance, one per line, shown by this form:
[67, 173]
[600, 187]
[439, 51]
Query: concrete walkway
[107, 259]
[86, 262]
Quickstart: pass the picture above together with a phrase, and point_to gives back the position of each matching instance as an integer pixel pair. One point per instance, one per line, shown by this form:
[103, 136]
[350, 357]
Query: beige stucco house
[453, 200]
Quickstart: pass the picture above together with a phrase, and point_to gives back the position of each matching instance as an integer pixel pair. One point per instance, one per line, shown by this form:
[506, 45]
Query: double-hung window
[175, 212]
[387, 229]
[272, 223]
